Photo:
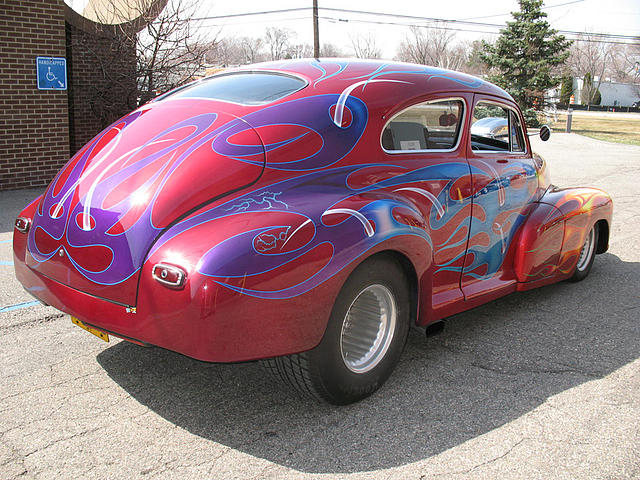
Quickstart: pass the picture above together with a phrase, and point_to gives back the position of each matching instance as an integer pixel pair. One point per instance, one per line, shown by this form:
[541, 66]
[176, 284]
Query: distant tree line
[526, 59]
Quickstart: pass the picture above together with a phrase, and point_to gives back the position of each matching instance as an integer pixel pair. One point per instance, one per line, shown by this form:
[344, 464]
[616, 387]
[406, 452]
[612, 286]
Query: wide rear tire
[364, 339]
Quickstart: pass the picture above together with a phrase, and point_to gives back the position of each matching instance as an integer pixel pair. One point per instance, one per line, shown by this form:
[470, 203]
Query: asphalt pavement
[543, 384]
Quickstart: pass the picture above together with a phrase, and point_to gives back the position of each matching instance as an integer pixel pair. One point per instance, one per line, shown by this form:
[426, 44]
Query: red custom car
[304, 212]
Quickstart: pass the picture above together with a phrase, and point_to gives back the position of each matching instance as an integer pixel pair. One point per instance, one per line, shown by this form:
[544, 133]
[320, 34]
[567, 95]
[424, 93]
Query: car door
[428, 140]
[504, 185]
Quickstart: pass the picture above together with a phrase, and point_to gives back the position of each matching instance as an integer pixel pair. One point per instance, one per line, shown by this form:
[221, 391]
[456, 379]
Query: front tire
[363, 341]
[586, 256]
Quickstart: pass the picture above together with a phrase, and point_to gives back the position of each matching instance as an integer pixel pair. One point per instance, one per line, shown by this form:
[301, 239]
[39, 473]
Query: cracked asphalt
[541, 384]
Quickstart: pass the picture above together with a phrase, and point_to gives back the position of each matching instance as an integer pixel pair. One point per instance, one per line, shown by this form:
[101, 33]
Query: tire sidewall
[579, 275]
[339, 384]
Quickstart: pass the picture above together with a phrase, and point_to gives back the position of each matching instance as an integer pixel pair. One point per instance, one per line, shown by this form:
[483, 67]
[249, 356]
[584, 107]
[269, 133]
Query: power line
[252, 22]
[249, 14]
[439, 27]
[509, 13]
[591, 36]
[475, 24]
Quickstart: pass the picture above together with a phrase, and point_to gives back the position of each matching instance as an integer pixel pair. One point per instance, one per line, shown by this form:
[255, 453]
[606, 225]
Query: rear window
[246, 88]
[433, 125]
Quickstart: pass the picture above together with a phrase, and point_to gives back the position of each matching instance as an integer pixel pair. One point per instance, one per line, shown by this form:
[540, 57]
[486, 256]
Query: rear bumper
[204, 321]
[103, 314]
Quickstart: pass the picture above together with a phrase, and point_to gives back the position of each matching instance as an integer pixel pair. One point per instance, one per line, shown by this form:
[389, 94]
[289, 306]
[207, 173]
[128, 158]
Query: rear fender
[263, 275]
[279, 253]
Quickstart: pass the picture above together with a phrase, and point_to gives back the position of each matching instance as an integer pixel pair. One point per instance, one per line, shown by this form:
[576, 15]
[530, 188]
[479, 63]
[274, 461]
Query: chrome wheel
[586, 252]
[368, 328]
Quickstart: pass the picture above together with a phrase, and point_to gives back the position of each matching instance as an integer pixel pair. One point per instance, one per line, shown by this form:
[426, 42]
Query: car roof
[331, 72]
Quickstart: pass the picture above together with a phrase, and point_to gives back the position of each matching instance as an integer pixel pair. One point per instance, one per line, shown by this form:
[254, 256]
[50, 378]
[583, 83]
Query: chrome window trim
[429, 150]
[524, 143]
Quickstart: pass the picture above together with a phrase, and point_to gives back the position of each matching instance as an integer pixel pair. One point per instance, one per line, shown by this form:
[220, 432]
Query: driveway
[541, 384]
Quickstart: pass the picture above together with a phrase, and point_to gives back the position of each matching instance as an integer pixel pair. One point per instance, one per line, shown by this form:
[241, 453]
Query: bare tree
[593, 60]
[432, 46]
[626, 62]
[243, 50]
[225, 52]
[252, 49]
[474, 64]
[236, 51]
[364, 46]
[328, 50]
[113, 90]
[170, 47]
[300, 50]
[631, 66]
[278, 41]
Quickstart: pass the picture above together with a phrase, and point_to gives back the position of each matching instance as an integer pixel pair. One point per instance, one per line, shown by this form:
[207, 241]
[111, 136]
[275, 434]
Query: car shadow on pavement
[489, 367]
[12, 202]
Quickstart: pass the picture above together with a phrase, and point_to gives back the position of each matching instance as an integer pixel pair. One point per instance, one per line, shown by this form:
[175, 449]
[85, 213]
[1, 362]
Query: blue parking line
[5, 241]
[6, 262]
[18, 306]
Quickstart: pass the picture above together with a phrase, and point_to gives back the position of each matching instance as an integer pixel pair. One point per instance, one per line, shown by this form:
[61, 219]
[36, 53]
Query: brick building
[41, 129]
[34, 124]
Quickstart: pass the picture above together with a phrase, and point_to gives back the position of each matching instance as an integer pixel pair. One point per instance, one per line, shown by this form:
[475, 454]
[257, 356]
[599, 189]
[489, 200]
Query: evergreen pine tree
[525, 55]
[566, 89]
[590, 94]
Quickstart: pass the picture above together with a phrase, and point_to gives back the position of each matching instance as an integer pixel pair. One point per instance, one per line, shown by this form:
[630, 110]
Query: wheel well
[411, 275]
[603, 236]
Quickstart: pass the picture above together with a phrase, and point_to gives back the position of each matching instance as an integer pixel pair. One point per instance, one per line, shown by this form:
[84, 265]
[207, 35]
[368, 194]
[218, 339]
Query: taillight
[169, 275]
[22, 224]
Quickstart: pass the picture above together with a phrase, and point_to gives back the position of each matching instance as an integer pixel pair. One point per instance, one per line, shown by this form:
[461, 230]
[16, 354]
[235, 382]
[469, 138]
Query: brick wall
[41, 129]
[34, 135]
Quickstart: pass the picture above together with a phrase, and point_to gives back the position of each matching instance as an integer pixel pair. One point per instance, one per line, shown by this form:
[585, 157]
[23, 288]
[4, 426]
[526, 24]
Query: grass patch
[619, 130]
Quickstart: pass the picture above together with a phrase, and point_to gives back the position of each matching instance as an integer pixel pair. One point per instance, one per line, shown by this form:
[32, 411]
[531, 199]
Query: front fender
[555, 231]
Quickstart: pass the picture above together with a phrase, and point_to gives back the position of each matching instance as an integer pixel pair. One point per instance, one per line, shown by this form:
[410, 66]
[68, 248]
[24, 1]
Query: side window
[490, 127]
[517, 137]
[496, 128]
[426, 126]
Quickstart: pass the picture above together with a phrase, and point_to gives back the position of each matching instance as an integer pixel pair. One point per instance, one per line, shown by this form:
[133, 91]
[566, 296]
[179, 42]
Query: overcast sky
[603, 16]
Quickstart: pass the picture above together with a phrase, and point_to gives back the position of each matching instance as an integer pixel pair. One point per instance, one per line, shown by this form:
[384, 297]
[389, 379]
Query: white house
[613, 94]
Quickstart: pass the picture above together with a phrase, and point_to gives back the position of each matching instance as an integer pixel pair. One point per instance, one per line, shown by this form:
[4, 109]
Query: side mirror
[545, 133]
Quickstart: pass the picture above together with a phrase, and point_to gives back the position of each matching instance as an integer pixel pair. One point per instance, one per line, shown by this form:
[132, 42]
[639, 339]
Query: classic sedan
[305, 213]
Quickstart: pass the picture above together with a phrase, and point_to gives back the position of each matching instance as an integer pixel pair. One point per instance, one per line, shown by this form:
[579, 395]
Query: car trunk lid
[101, 214]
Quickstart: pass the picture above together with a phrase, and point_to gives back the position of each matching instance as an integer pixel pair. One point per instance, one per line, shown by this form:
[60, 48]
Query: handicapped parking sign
[52, 73]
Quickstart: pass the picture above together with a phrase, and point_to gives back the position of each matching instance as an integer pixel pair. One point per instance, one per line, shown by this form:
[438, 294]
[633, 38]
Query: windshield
[246, 88]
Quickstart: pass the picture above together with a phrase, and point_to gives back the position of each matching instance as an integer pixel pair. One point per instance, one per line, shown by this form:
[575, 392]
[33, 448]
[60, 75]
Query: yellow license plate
[98, 333]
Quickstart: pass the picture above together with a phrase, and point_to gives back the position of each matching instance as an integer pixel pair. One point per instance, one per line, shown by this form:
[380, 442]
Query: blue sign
[52, 73]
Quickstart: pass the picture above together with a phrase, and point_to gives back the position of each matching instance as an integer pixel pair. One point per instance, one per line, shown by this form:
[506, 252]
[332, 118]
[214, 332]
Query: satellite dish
[92, 15]
[109, 12]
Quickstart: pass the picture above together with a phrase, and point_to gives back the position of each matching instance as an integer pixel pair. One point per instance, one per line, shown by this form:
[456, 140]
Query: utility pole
[316, 35]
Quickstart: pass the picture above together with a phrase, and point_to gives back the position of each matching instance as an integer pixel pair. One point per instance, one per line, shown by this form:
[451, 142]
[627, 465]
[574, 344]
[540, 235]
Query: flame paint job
[269, 208]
